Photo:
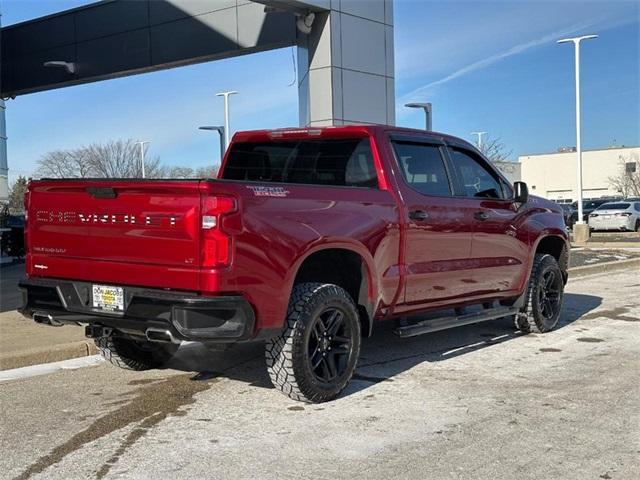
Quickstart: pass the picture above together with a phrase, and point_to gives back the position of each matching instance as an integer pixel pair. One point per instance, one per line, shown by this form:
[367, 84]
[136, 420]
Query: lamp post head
[576, 40]
[418, 105]
[212, 127]
[226, 94]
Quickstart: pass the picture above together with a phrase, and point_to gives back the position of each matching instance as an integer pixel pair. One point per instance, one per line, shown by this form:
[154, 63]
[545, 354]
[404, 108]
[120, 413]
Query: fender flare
[369, 284]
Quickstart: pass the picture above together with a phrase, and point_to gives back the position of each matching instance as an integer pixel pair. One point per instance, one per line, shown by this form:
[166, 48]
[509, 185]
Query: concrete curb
[610, 245]
[603, 267]
[50, 354]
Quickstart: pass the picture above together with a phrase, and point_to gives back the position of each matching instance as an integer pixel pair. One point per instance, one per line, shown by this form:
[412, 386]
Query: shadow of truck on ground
[382, 357]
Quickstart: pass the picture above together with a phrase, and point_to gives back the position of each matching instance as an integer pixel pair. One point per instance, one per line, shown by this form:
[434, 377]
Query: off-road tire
[132, 355]
[287, 355]
[532, 319]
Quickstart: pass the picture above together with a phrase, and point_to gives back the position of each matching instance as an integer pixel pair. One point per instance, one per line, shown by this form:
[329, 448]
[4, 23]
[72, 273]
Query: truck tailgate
[136, 232]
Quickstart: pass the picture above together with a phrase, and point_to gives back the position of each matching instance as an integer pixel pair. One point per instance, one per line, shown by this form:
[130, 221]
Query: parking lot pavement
[11, 296]
[474, 402]
[581, 257]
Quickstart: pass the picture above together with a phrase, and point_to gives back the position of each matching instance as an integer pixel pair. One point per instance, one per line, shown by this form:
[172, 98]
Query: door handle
[418, 215]
[482, 216]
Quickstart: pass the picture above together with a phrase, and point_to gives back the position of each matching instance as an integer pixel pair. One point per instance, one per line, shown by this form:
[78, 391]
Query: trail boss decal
[268, 191]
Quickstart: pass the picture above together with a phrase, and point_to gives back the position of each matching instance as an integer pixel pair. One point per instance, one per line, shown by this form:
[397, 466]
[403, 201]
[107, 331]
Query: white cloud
[484, 43]
[490, 60]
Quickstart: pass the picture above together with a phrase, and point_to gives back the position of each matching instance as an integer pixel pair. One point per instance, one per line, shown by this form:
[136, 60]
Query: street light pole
[142, 144]
[427, 113]
[479, 141]
[226, 113]
[221, 132]
[576, 43]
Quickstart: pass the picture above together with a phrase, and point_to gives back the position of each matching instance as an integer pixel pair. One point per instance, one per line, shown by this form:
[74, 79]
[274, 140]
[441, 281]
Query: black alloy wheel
[329, 345]
[549, 294]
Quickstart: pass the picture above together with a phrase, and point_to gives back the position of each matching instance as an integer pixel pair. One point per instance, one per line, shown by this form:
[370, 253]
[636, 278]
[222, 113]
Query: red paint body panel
[148, 233]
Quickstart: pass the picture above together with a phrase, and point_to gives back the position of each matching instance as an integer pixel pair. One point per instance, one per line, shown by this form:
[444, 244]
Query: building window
[630, 167]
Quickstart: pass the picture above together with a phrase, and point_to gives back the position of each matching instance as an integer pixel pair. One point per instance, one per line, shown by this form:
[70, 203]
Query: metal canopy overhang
[114, 38]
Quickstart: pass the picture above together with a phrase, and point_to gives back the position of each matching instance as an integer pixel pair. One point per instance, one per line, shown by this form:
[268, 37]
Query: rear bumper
[186, 316]
[621, 223]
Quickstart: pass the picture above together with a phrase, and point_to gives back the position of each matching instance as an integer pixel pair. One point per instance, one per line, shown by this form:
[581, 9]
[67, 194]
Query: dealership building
[554, 175]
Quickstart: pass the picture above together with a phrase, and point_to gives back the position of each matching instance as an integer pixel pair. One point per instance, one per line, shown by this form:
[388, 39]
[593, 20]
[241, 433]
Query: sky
[485, 66]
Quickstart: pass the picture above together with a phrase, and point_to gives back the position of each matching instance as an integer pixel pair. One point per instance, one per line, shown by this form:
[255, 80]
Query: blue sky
[491, 66]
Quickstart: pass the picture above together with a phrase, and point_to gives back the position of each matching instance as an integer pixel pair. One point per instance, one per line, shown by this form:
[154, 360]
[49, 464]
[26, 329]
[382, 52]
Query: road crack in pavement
[151, 403]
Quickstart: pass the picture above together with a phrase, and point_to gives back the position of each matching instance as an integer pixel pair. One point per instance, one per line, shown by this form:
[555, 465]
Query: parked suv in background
[588, 206]
[308, 239]
[624, 215]
[567, 212]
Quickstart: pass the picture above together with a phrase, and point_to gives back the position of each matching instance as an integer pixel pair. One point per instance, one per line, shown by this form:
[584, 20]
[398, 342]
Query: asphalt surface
[10, 295]
[581, 257]
[474, 402]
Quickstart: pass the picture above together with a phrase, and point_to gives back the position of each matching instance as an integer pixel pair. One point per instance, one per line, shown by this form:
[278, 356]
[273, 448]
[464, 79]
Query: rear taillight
[217, 245]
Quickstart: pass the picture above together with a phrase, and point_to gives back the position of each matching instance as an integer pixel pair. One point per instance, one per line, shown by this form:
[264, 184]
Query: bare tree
[627, 182]
[207, 172]
[114, 159]
[495, 150]
[188, 172]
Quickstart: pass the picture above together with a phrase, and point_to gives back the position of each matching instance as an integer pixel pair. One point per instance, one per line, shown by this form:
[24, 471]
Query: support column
[346, 66]
[4, 170]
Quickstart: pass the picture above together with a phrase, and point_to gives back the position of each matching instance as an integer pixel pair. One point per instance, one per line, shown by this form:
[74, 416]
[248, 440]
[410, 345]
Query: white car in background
[621, 215]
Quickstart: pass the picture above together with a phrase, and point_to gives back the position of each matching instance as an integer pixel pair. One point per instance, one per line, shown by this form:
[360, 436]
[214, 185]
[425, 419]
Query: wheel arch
[355, 275]
[556, 246]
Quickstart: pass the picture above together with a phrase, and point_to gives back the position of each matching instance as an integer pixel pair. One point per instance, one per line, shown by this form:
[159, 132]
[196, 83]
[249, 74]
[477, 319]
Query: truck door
[438, 233]
[498, 250]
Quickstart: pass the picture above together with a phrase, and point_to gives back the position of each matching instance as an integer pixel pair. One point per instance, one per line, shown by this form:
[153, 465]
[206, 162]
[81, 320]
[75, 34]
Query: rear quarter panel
[276, 232]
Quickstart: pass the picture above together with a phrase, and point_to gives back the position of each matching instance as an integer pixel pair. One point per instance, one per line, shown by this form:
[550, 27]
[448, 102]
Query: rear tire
[637, 229]
[544, 297]
[131, 355]
[315, 355]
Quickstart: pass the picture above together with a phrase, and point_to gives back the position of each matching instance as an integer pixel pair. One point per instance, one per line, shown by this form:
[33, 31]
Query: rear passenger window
[475, 178]
[347, 162]
[423, 168]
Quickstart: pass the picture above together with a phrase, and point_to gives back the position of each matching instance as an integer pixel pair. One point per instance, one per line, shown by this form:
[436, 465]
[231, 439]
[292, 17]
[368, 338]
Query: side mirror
[520, 192]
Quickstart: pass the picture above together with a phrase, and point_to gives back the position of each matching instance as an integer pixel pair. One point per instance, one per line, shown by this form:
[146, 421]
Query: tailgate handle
[102, 192]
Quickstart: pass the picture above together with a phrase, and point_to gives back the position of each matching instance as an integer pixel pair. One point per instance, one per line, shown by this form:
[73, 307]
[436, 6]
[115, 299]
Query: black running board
[443, 323]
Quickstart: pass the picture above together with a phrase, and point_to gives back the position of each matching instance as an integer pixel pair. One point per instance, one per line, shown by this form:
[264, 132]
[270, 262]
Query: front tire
[544, 296]
[315, 355]
[132, 355]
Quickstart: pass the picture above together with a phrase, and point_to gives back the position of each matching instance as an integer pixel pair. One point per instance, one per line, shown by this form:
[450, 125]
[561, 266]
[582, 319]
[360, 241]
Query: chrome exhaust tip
[160, 335]
[46, 319]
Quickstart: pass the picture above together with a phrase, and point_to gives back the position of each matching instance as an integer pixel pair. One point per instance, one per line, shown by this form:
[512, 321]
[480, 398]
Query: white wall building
[554, 175]
[511, 170]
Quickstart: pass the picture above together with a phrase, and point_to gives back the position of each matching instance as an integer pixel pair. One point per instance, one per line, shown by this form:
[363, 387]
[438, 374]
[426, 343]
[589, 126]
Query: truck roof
[337, 131]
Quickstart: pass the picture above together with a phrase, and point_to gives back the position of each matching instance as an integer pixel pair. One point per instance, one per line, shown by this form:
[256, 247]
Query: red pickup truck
[306, 240]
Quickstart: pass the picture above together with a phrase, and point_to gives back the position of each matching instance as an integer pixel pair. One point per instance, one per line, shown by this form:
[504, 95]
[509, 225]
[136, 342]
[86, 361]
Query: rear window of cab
[332, 162]
[614, 206]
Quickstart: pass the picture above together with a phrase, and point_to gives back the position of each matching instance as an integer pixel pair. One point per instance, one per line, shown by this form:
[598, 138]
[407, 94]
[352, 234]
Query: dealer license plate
[108, 298]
